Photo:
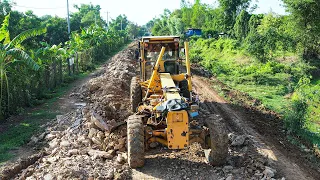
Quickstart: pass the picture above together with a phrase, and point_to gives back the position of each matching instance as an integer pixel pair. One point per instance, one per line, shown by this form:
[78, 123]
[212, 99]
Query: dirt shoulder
[265, 130]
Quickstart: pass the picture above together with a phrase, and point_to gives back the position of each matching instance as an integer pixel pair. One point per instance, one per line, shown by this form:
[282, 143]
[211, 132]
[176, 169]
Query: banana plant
[51, 56]
[11, 53]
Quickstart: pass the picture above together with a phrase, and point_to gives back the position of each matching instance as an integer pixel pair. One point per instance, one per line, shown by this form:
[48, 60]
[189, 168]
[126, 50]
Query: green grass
[271, 82]
[313, 117]
[268, 95]
[19, 134]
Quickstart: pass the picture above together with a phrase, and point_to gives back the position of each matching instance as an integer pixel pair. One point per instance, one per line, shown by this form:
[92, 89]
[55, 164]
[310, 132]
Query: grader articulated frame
[165, 107]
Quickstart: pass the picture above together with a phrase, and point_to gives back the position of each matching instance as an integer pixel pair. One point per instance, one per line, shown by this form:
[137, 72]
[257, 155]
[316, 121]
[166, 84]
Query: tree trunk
[69, 69]
[73, 65]
[54, 67]
[77, 63]
[60, 71]
[47, 76]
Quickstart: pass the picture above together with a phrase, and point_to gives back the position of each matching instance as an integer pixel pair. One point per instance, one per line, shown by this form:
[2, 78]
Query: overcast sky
[139, 11]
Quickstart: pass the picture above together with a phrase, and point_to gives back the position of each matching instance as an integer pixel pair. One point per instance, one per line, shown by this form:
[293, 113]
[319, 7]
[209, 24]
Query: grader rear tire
[135, 135]
[183, 85]
[135, 94]
[219, 141]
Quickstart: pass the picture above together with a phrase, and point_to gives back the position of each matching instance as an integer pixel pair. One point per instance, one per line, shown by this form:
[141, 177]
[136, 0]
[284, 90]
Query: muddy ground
[83, 143]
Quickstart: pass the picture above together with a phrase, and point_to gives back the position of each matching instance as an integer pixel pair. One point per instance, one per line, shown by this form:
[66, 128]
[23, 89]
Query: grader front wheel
[135, 94]
[135, 135]
[217, 154]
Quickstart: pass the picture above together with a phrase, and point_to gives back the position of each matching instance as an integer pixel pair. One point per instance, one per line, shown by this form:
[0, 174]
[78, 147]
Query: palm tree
[11, 53]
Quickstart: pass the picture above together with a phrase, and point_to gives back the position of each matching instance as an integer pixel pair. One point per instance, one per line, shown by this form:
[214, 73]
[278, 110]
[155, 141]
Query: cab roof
[159, 38]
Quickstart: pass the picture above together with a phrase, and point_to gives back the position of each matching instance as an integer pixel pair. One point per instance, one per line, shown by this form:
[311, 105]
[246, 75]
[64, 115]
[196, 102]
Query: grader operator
[165, 107]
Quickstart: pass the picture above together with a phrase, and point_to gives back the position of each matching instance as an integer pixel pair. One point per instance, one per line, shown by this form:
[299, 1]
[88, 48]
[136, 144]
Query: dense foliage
[274, 58]
[37, 55]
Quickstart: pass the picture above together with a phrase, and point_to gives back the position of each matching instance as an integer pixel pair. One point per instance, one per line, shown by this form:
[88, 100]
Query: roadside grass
[268, 95]
[18, 134]
[272, 83]
[313, 116]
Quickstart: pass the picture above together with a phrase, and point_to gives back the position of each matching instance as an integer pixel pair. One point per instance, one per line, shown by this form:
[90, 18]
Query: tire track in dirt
[243, 161]
[237, 122]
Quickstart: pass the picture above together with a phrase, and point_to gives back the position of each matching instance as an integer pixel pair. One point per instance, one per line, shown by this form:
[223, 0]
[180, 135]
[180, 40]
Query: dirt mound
[91, 141]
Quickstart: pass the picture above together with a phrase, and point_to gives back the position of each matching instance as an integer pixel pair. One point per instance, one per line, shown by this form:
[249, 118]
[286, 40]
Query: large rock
[50, 136]
[92, 132]
[227, 169]
[269, 172]
[239, 140]
[48, 177]
[99, 122]
[73, 152]
[54, 143]
[120, 159]
[99, 154]
[65, 143]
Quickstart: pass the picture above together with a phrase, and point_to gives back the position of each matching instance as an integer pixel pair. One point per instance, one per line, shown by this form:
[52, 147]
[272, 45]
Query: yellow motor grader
[164, 106]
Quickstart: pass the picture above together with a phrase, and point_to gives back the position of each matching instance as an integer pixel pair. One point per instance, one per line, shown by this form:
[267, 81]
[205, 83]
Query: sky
[138, 11]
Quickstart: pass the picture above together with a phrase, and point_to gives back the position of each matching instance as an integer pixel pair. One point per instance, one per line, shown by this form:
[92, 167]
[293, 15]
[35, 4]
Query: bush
[295, 118]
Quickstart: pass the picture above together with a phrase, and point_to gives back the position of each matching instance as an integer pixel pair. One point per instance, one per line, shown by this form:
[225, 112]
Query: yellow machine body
[177, 129]
[164, 84]
[164, 106]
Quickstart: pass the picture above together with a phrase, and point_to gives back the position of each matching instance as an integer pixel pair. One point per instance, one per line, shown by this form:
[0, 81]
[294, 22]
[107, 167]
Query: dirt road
[81, 144]
[246, 161]
[240, 120]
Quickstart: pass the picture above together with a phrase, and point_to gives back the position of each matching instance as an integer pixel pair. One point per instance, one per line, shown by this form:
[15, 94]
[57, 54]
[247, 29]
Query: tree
[150, 25]
[133, 30]
[57, 31]
[241, 28]
[268, 36]
[5, 8]
[186, 12]
[306, 17]
[175, 25]
[11, 55]
[231, 9]
[120, 23]
[254, 22]
[214, 20]
[198, 14]
[87, 15]
[161, 25]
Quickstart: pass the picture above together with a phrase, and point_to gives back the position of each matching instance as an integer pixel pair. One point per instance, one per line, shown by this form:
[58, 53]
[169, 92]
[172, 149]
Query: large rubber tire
[219, 141]
[135, 135]
[135, 94]
[183, 85]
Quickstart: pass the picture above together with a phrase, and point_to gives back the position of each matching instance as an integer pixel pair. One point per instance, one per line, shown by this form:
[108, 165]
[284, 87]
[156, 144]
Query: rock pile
[89, 143]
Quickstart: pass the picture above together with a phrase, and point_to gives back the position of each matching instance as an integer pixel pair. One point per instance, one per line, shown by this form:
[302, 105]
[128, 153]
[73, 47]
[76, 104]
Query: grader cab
[164, 106]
